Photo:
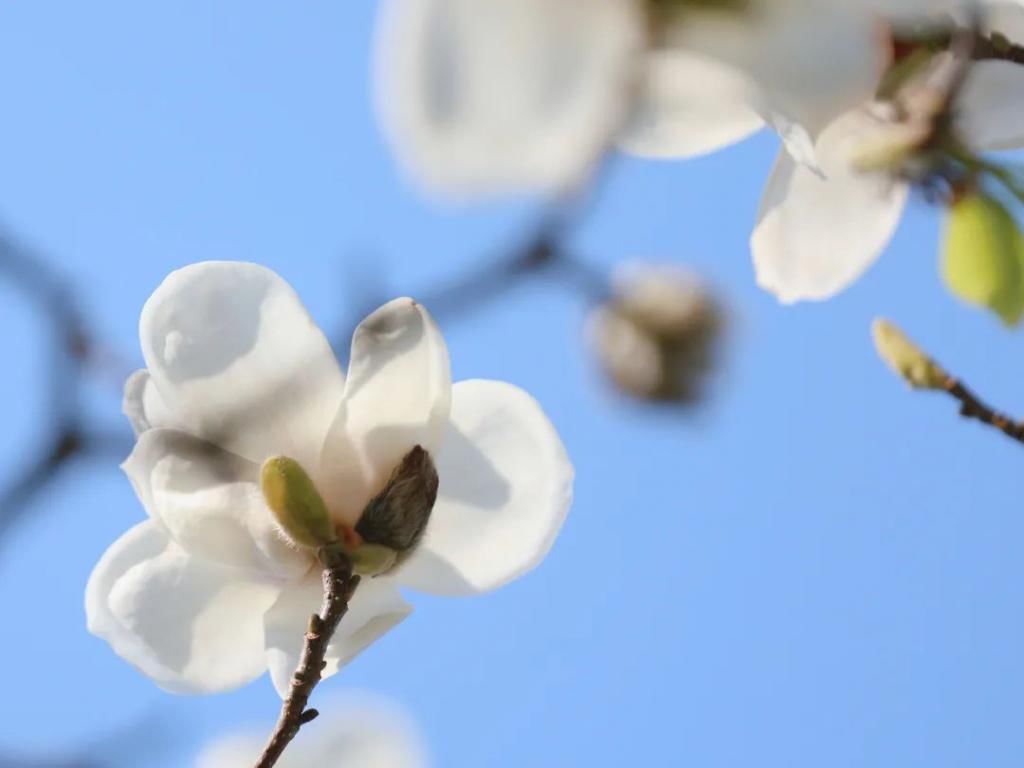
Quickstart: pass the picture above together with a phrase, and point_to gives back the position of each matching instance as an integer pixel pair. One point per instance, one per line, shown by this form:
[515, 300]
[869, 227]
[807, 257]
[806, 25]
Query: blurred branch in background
[542, 252]
[149, 735]
[70, 354]
[920, 371]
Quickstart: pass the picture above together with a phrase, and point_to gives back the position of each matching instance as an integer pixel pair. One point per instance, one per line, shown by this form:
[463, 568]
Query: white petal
[209, 501]
[812, 61]
[375, 608]
[690, 105]
[239, 362]
[191, 625]
[506, 487]
[990, 108]
[497, 96]
[143, 405]
[397, 396]
[795, 139]
[817, 232]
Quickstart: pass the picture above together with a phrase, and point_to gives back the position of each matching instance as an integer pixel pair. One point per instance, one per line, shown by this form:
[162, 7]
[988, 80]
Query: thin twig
[339, 584]
[972, 407]
[985, 47]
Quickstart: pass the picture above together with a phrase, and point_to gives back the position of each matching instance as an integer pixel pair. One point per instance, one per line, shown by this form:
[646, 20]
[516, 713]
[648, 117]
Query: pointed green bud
[296, 503]
[908, 360]
[983, 256]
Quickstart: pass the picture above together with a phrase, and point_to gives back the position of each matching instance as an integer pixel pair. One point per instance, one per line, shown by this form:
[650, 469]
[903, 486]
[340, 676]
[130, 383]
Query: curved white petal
[990, 108]
[143, 405]
[497, 96]
[397, 396]
[811, 61]
[817, 232]
[238, 361]
[506, 487]
[689, 105]
[356, 731]
[209, 501]
[191, 625]
[375, 608]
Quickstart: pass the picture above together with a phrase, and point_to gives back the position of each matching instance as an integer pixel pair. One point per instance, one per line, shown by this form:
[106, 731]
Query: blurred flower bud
[983, 256]
[296, 503]
[908, 360]
[655, 336]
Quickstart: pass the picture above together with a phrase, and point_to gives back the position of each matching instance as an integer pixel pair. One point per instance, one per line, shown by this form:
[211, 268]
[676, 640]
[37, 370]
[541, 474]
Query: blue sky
[819, 568]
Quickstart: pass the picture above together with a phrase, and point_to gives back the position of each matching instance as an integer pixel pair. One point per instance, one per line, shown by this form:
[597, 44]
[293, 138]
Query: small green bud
[983, 256]
[908, 360]
[296, 503]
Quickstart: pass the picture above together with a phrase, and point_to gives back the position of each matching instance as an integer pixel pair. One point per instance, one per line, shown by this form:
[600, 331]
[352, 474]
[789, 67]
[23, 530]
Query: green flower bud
[296, 503]
[907, 359]
[983, 256]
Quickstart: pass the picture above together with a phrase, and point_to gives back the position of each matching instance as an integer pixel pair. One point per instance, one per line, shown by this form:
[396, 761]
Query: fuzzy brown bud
[397, 516]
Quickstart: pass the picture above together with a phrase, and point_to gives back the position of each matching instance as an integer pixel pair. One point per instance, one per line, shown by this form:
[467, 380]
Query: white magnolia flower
[492, 96]
[206, 594]
[821, 226]
[362, 732]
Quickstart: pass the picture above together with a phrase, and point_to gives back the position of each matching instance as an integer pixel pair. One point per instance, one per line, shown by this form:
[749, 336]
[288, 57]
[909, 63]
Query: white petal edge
[817, 233]
[209, 501]
[689, 105]
[506, 488]
[397, 396]
[143, 405]
[376, 607]
[990, 108]
[484, 99]
[190, 625]
[239, 362]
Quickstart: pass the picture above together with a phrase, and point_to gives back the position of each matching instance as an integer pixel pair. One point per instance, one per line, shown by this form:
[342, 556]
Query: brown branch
[972, 407]
[339, 585]
[984, 47]
[995, 47]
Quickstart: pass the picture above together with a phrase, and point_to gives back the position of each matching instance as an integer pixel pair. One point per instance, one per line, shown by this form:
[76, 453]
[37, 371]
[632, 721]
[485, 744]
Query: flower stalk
[339, 585]
[920, 371]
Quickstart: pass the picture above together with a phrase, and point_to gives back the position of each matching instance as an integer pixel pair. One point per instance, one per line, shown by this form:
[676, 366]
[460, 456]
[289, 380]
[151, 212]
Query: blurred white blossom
[355, 732]
[821, 225]
[493, 96]
[207, 593]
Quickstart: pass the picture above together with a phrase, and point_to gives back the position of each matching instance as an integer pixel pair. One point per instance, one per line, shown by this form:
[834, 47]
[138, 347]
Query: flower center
[388, 530]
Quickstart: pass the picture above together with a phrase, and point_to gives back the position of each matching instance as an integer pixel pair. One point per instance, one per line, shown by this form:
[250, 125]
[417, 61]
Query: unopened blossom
[655, 336]
[485, 97]
[208, 592]
[822, 224]
[355, 732]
